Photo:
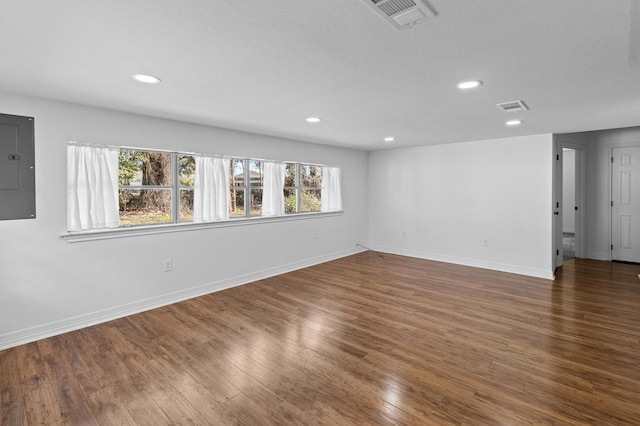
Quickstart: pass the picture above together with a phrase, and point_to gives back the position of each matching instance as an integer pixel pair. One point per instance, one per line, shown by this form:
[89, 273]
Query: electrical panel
[17, 168]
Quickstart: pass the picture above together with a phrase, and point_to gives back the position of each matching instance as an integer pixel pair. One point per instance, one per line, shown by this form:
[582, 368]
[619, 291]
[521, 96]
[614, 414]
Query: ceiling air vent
[513, 106]
[402, 14]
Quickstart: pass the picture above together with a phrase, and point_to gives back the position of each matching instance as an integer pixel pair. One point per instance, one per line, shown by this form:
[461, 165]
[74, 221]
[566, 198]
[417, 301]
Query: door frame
[556, 212]
[557, 207]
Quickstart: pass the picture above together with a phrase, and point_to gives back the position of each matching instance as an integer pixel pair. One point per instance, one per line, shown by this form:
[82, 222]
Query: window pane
[237, 173]
[257, 174]
[144, 168]
[186, 205]
[290, 175]
[310, 176]
[256, 202]
[290, 200]
[130, 167]
[310, 200]
[236, 207]
[144, 206]
[187, 168]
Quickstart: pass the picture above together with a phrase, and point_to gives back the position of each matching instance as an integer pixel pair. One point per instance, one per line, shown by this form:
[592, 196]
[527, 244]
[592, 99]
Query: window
[155, 187]
[291, 188]
[256, 179]
[237, 188]
[310, 188]
[146, 187]
[302, 188]
[117, 187]
[246, 182]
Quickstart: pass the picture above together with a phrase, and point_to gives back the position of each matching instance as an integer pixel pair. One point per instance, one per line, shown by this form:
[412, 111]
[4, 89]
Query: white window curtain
[92, 187]
[273, 189]
[211, 189]
[331, 193]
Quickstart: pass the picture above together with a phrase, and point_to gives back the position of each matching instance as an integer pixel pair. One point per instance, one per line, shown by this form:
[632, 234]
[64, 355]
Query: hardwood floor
[368, 339]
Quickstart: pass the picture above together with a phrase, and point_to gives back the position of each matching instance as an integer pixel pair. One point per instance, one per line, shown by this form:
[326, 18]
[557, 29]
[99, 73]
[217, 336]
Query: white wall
[440, 202]
[48, 285]
[568, 190]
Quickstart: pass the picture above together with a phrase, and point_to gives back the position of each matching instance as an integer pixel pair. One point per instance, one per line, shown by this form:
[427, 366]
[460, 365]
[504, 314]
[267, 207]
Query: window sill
[133, 231]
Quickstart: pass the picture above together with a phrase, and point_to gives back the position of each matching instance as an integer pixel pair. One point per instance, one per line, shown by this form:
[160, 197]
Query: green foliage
[290, 204]
[130, 163]
[129, 166]
[187, 169]
[310, 202]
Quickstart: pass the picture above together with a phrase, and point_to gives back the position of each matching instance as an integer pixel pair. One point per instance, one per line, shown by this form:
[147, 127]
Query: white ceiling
[263, 66]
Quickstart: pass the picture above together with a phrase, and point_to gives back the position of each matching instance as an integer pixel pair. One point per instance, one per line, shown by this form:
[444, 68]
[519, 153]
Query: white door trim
[556, 205]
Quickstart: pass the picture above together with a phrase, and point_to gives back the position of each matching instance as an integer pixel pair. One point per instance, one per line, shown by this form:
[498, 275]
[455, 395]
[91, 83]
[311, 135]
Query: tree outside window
[302, 188]
[158, 187]
[148, 192]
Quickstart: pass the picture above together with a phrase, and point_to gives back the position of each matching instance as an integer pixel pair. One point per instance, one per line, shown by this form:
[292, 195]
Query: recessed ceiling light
[146, 78]
[469, 84]
[313, 120]
[389, 139]
[514, 122]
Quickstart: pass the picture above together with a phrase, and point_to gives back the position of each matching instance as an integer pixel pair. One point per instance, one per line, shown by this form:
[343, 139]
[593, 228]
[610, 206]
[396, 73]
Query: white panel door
[625, 204]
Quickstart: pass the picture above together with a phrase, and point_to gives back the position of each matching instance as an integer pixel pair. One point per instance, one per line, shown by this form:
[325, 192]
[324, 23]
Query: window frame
[299, 187]
[248, 199]
[233, 184]
[175, 187]
[295, 188]
[246, 188]
[302, 188]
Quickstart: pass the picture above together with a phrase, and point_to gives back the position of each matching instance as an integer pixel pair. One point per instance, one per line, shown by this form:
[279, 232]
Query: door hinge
[611, 203]
[612, 159]
[611, 246]
[557, 157]
[557, 252]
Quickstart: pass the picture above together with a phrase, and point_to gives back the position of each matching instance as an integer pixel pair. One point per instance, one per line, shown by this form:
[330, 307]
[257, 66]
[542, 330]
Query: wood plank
[12, 388]
[367, 339]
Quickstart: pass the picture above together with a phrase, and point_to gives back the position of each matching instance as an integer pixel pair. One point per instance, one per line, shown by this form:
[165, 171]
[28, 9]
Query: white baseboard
[531, 272]
[32, 334]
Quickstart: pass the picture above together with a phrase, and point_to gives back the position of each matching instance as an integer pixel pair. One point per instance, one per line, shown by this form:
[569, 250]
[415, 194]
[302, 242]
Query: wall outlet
[168, 265]
[485, 242]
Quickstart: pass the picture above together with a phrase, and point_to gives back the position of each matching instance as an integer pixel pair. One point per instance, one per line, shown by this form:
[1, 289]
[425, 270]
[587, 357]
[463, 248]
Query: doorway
[568, 199]
[569, 203]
